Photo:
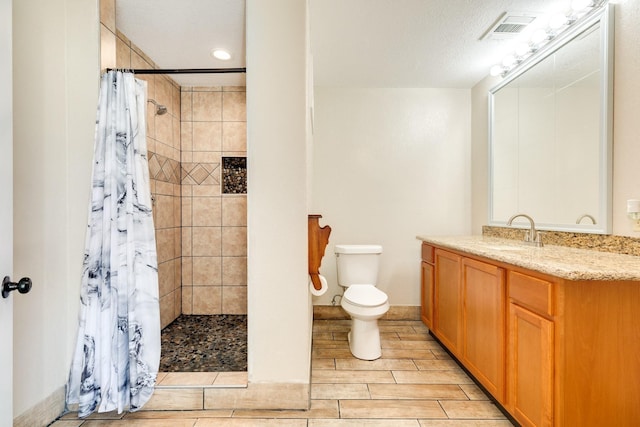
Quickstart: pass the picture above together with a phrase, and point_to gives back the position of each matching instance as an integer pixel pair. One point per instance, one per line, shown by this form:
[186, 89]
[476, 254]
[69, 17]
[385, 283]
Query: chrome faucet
[531, 237]
[593, 220]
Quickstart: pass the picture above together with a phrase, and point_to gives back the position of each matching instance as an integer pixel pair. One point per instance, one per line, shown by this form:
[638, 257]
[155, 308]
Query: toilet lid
[365, 296]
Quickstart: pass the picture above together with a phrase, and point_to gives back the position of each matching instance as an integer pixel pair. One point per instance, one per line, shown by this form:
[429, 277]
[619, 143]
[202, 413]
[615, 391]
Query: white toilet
[357, 267]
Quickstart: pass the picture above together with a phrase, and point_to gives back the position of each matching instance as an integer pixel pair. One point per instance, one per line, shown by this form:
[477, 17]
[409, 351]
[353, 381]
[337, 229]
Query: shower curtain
[117, 353]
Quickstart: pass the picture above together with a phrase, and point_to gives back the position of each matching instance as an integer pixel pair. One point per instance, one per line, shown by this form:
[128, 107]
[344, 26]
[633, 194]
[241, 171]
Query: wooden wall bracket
[318, 240]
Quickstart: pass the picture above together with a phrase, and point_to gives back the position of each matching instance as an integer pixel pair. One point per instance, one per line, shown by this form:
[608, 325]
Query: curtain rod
[181, 70]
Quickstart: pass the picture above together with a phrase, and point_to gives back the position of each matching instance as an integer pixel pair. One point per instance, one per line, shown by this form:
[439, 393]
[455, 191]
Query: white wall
[626, 110]
[391, 164]
[55, 96]
[278, 297]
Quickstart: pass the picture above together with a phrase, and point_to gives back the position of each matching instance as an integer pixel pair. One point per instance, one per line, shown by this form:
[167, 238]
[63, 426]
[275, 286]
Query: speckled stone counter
[561, 261]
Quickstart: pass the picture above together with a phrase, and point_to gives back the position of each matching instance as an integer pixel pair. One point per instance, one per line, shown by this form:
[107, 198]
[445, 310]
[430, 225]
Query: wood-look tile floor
[415, 383]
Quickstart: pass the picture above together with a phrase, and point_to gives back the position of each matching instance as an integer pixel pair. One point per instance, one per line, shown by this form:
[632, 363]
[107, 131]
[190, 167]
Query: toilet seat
[365, 296]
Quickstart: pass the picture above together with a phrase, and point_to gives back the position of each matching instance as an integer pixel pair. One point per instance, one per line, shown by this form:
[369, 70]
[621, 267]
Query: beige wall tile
[206, 211]
[187, 210]
[234, 211]
[234, 136]
[164, 93]
[177, 303]
[186, 136]
[176, 133]
[234, 106]
[177, 242]
[234, 271]
[207, 136]
[164, 188]
[164, 130]
[164, 211]
[166, 310]
[165, 278]
[186, 114]
[187, 244]
[207, 157]
[234, 299]
[206, 241]
[164, 244]
[187, 299]
[207, 299]
[107, 48]
[108, 14]
[207, 106]
[234, 241]
[206, 190]
[207, 271]
[123, 54]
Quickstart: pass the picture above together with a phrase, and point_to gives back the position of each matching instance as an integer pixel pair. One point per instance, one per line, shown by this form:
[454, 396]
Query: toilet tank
[357, 264]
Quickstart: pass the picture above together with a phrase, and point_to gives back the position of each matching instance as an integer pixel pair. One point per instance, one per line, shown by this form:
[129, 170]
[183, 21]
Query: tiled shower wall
[163, 144]
[206, 273]
[214, 225]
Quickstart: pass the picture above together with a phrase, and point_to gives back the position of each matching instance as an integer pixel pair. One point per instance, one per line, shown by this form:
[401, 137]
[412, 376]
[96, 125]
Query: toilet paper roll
[323, 287]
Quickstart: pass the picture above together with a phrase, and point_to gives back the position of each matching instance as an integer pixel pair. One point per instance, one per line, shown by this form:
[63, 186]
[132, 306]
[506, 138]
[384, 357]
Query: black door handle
[23, 286]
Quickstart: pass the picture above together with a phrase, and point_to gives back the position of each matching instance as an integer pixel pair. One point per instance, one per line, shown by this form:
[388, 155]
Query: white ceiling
[355, 43]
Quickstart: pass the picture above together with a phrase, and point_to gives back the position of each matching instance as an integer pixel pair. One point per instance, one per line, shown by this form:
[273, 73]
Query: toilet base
[364, 339]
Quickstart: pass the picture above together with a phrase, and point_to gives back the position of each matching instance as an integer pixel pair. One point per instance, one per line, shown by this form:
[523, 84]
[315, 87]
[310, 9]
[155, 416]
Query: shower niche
[234, 175]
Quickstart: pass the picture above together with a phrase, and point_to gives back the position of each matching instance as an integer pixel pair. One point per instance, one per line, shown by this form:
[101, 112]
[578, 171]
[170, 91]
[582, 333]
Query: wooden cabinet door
[426, 294]
[484, 324]
[530, 367]
[447, 319]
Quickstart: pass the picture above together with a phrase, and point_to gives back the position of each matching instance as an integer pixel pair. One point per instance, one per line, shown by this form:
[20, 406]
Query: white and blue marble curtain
[117, 353]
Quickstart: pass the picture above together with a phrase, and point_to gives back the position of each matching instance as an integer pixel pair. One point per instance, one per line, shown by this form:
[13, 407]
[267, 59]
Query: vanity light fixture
[221, 54]
[557, 24]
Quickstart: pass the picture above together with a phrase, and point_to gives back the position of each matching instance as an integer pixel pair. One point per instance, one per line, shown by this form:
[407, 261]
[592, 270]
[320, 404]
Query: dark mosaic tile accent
[211, 343]
[599, 242]
[234, 175]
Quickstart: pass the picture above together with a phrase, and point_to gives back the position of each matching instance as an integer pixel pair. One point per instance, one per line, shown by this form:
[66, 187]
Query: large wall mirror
[550, 133]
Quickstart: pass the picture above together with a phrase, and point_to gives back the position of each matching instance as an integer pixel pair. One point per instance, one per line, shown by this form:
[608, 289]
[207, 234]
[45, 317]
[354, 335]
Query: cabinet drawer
[427, 253]
[532, 292]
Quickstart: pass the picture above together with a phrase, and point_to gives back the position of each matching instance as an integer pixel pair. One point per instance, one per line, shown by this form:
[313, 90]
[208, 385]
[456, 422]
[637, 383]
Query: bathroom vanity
[552, 333]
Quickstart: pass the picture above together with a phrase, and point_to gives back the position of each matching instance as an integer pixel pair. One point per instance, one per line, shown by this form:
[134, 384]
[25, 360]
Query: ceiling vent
[509, 25]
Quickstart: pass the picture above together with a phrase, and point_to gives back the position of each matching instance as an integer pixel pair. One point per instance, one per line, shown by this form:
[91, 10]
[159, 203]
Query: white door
[6, 215]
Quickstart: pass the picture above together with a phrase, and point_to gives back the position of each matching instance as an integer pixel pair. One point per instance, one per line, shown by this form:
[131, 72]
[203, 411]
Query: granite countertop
[560, 261]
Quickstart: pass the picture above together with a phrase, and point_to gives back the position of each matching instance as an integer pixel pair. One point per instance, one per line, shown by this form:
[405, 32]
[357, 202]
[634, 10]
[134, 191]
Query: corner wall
[278, 297]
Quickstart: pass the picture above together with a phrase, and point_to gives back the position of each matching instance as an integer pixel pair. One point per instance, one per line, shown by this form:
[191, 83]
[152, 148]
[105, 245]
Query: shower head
[160, 109]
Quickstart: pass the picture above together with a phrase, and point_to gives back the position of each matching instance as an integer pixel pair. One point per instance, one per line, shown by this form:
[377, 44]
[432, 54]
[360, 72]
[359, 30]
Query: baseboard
[43, 413]
[396, 312]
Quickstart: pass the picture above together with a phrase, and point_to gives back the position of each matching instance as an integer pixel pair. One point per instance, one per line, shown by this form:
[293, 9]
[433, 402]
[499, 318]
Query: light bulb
[578, 5]
[496, 70]
[557, 21]
[539, 36]
[523, 49]
[508, 61]
[221, 54]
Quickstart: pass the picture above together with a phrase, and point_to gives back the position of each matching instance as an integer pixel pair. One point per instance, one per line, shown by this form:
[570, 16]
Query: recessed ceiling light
[221, 54]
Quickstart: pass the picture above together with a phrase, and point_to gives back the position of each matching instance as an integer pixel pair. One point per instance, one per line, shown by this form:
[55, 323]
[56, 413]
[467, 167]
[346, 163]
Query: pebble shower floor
[205, 343]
